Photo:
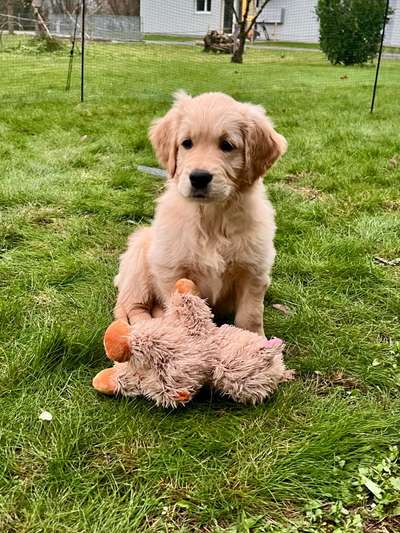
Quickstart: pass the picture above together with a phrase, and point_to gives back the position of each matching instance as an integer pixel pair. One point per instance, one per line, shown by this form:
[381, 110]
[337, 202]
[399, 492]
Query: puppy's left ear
[163, 132]
[163, 138]
[263, 145]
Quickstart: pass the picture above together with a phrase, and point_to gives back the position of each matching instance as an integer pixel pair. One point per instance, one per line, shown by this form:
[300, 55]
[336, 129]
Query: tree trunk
[237, 56]
[10, 18]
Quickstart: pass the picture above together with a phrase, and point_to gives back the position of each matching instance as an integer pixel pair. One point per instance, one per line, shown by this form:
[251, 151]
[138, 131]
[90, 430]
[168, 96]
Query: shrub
[43, 44]
[350, 30]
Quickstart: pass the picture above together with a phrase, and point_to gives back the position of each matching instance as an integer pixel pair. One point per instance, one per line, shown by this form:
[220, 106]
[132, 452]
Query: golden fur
[223, 240]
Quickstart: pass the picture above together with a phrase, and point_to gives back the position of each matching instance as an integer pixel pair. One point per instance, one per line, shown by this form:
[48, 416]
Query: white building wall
[179, 17]
[392, 34]
[300, 23]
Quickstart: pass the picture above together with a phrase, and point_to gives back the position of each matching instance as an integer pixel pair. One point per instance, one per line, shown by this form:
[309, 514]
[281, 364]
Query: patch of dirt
[392, 205]
[45, 216]
[10, 240]
[389, 524]
[324, 382]
[394, 161]
[309, 193]
[292, 178]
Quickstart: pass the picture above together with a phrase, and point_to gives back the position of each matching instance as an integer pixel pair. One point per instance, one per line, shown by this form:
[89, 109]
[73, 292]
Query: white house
[281, 20]
[186, 17]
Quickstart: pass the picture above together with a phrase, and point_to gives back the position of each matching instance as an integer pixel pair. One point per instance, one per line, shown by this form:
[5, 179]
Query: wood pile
[218, 42]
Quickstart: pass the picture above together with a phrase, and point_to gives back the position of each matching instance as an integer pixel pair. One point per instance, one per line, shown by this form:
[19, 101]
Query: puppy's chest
[217, 266]
[217, 252]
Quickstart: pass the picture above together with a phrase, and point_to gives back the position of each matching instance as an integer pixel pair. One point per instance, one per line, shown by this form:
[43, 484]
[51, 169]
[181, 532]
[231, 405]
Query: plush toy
[168, 359]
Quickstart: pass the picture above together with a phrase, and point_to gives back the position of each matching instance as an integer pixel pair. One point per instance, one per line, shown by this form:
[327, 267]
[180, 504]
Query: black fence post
[380, 56]
[83, 50]
[72, 51]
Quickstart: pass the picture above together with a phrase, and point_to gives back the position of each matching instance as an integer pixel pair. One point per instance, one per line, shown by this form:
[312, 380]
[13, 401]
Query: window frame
[205, 11]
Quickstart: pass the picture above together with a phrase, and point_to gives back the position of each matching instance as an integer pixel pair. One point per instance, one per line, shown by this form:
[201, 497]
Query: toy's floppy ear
[116, 343]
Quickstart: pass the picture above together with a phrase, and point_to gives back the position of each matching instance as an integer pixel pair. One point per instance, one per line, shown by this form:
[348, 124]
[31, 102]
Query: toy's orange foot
[183, 396]
[116, 342]
[185, 286]
[106, 381]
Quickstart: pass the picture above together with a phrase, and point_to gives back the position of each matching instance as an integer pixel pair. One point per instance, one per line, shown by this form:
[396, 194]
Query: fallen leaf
[392, 205]
[282, 308]
[46, 416]
[372, 486]
[84, 138]
[389, 262]
[344, 77]
[394, 161]
[395, 481]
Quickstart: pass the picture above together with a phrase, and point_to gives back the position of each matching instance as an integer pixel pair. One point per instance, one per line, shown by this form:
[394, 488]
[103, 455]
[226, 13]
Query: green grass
[289, 44]
[169, 37]
[314, 46]
[260, 42]
[70, 195]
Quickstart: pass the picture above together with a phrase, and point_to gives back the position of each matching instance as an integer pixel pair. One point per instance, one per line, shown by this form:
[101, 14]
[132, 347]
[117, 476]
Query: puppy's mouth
[199, 195]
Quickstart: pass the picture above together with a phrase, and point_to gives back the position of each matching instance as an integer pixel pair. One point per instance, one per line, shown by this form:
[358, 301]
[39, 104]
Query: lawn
[322, 453]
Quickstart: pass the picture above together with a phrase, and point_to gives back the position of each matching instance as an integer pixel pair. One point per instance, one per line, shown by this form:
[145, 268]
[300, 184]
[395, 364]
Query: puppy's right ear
[163, 134]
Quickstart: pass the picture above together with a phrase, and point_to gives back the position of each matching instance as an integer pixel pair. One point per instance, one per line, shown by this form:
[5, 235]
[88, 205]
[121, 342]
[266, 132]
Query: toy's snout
[116, 342]
[273, 343]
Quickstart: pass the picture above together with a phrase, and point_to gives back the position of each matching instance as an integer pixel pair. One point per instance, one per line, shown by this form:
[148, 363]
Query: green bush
[350, 30]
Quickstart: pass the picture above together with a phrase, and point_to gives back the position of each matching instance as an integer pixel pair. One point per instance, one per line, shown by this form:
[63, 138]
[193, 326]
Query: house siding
[179, 17]
[392, 35]
[300, 22]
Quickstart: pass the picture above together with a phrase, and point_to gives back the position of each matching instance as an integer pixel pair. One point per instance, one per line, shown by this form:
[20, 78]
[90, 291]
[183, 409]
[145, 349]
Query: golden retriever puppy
[213, 224]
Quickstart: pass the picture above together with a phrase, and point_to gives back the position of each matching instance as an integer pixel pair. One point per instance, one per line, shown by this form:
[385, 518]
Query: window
[203, 6]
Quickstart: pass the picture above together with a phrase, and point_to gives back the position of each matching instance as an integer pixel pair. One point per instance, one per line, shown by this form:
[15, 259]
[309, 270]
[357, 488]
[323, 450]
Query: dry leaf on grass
[394, 161]
[392, 205]
[45, 416]
[388, 262]
[282, 308]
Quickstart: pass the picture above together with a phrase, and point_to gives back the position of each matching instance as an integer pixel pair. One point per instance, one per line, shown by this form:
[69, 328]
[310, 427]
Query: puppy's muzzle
[199, 180]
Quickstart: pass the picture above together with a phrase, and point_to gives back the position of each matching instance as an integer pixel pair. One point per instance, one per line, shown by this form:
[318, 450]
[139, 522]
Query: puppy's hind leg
[135, 291]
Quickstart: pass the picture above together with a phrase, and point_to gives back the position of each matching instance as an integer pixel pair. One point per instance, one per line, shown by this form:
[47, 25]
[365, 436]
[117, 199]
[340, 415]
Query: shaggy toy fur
[169, 359]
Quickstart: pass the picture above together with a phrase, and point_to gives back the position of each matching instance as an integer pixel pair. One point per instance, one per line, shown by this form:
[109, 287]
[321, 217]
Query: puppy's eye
[187, 143]
[226, 146]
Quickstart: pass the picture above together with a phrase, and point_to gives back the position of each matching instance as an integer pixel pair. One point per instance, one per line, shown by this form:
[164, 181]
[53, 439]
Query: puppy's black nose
[200, 179]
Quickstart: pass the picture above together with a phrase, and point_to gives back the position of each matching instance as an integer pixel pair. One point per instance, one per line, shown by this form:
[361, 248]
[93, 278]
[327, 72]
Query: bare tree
[244, 28]
[124, 7]
[10, 17]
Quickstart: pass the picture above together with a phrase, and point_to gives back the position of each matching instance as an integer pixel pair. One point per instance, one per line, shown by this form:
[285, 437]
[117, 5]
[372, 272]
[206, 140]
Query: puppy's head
[214, 146]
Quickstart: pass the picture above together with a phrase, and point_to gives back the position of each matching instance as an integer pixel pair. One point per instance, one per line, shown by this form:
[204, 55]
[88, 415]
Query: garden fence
[139, 48]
